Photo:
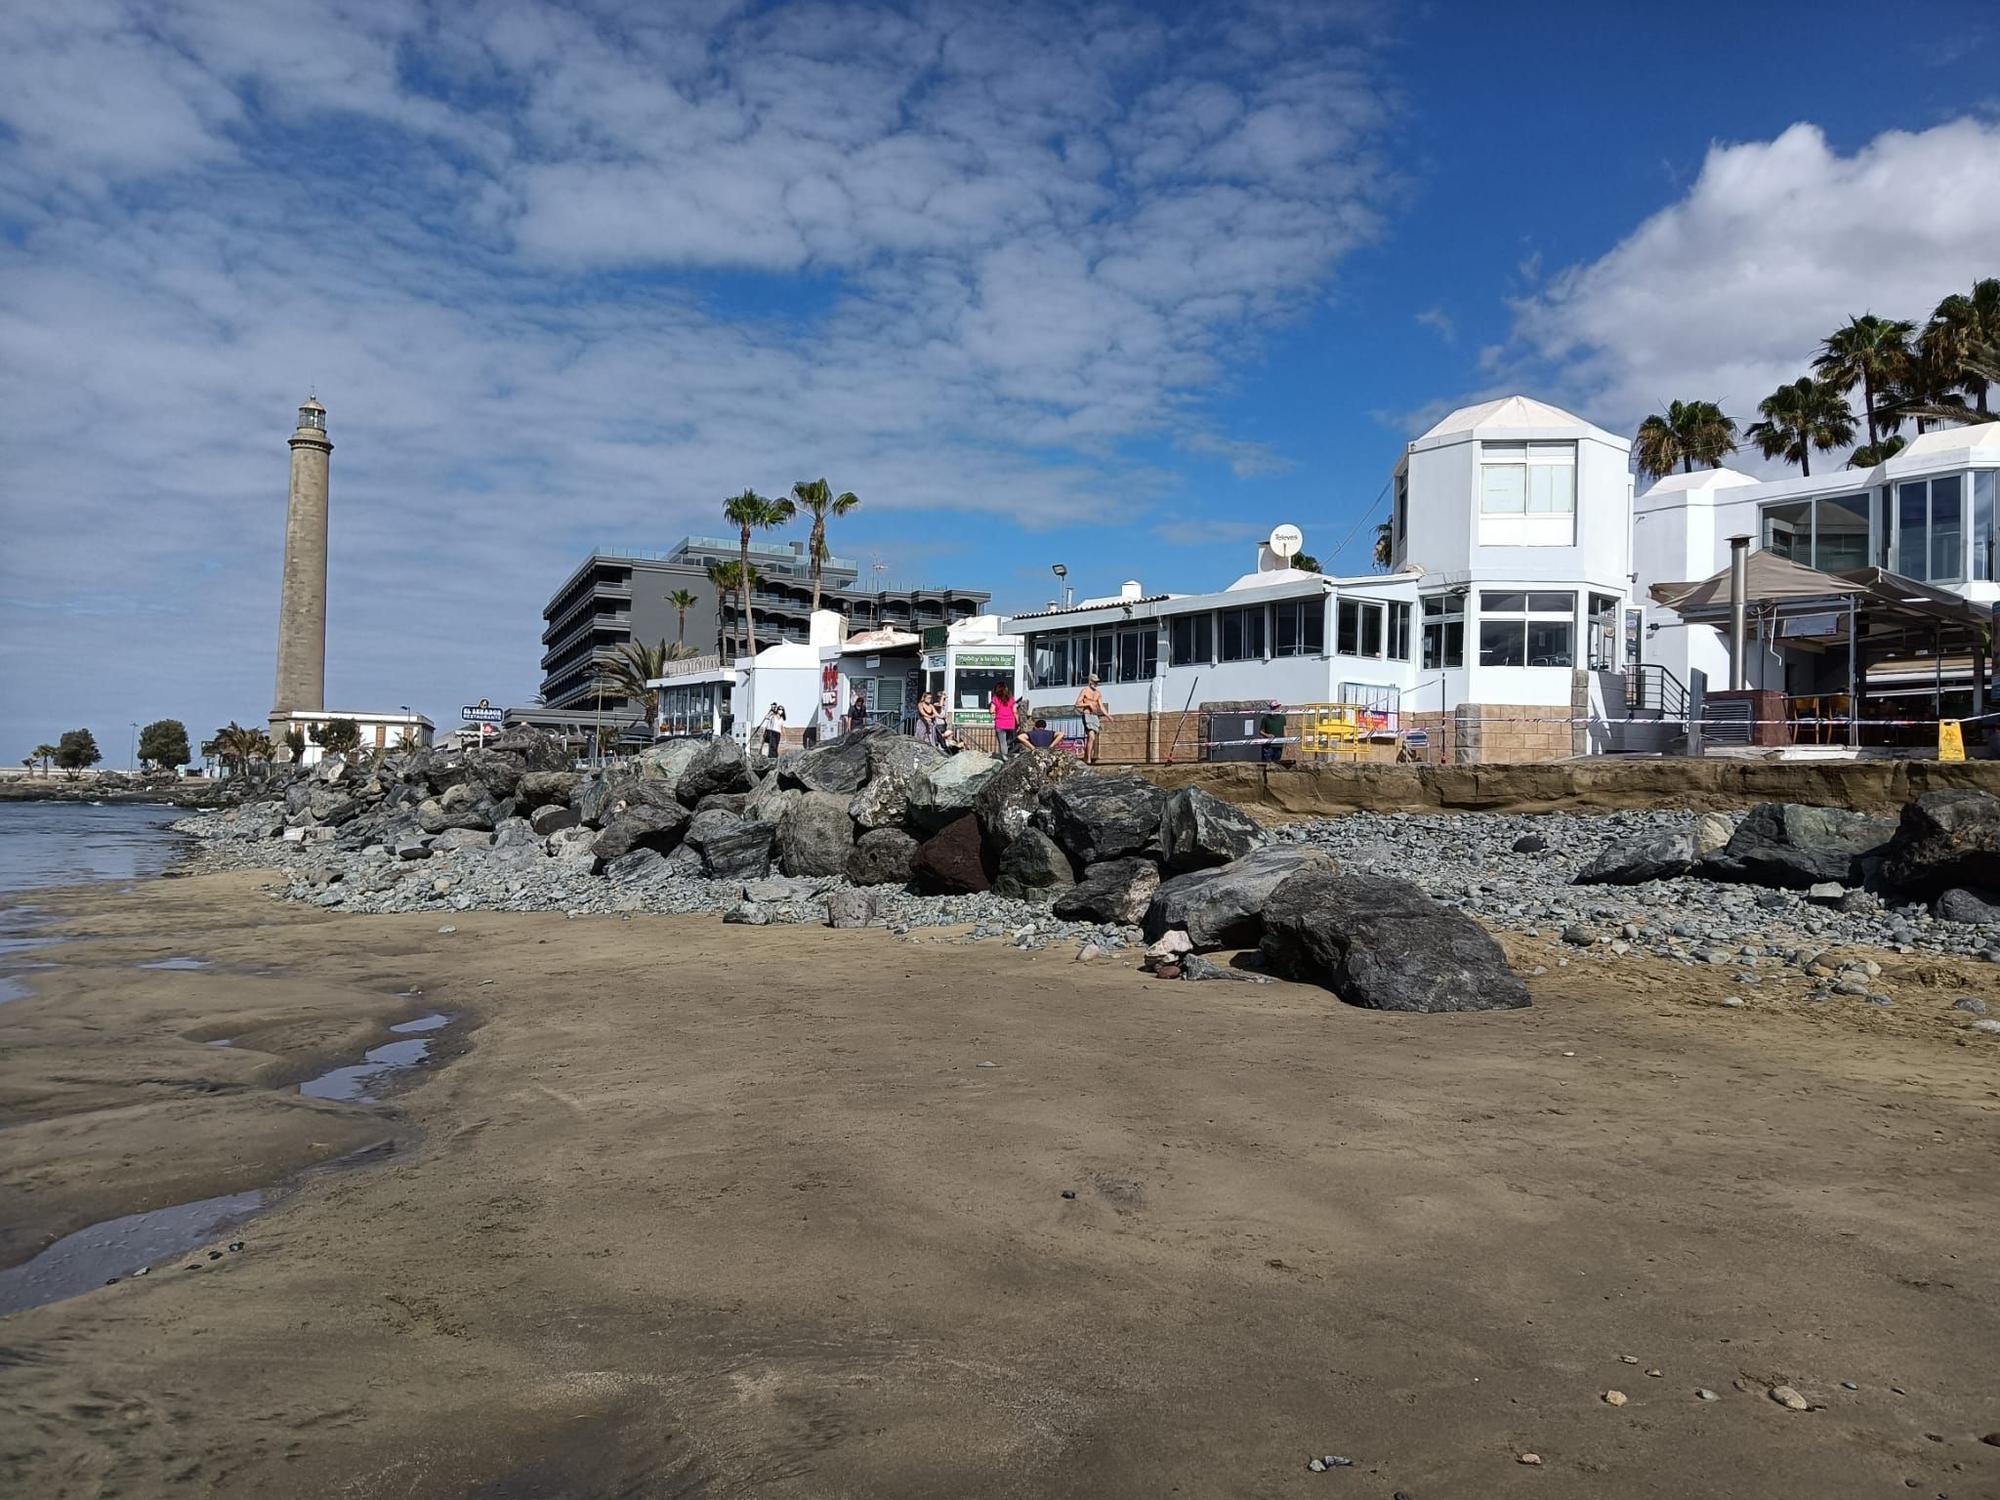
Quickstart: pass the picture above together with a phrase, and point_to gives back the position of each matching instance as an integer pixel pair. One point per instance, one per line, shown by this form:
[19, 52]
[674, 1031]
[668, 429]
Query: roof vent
[1130, 589]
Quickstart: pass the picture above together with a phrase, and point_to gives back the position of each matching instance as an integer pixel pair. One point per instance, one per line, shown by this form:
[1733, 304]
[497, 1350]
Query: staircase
[1656, 710]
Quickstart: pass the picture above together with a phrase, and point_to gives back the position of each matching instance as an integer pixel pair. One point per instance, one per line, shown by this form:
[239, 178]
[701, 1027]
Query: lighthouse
[302, 606]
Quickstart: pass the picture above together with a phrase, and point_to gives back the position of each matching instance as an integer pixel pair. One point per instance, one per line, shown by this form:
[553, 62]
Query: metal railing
[1651, 688]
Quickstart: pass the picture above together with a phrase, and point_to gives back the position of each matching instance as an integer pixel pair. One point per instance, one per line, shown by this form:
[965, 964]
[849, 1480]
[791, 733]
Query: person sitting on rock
[1040, 737]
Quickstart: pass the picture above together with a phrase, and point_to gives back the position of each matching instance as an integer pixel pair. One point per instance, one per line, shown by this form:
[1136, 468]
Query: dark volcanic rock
[1113, 890]
[1033, 868]
[816, 835]
[838, 766]
[544, 788]
[735, 802]
[536, 749]
[1530, 843]
[953, 861]
[1386, 945]
[1977, 908]
[1634, 861]
[731, 847]
[881, 856]
[433, 817]
[896, 765]
[1945, 840]
[546, 820]
[1201, 831]
[1223, 907]
[495, 770]
[641, 826]
[1008, 800]
[720, 766]
[1105, 817]
[1792, 845]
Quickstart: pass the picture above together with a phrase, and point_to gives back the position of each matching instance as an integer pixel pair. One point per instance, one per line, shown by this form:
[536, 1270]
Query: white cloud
[1439, 322]
[1727, 292]
[567, 276]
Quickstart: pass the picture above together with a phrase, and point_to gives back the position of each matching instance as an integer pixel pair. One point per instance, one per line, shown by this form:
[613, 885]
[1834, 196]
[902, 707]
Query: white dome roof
[1521, 414]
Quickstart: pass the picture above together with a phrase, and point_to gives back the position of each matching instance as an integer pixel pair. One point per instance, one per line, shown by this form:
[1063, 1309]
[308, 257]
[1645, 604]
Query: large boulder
[546, 788]
[548, 820]
[816, 835]
[1223, 907]
[1789, 844]
[498, 771]
[1978, 908]
[881, 856]
[1033, 868]
[719, 767]
[602, 796]
[731, 846]
[667, 762]
[953, 861]
[1945, 840]
[453, 839]
[641, 825]
[536, 749]
[1117, 891]
[434, 817]
[948, 790]
[1634, 861]
[1200, 831]
[1010, 798]
[768, 800]
[332, 806]
[837, 766]
[1105, 817]
[896, 763]
[1384, 944]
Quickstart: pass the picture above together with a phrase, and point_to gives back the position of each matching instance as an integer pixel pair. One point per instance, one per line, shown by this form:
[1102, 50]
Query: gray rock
[1194, 966]
[747, 914]
[953, 861]
[948, 790]
[1223, 907]
[896, 764]
[1577, 935]
[1792, 845]
[1097, 818]
[453, 839]
[770, 801]
[548, 819]
[816, 835]
[536, 749]
[1712, 831]
[720, 766]
[1011, 798]
[641, 826]
[546, 788]
[733, 802]
[1826, 893]
[1112, 891]
[1971, 1004]
[1972, 908]
[881, 856]
[572, 846]
[637, 865]
[849, 908]
[516, 833]
[413, 849]
[497, 772]
[1200, 831]
[837, 766]
[1946, 840]
[432, 817]
[775, 888]
[1634, 861]
[332, 806]
[900, 755]
[1530, 843]
[1033, 868]
[731, 847]
[1384, 944]
[602, 796]
[667, 762]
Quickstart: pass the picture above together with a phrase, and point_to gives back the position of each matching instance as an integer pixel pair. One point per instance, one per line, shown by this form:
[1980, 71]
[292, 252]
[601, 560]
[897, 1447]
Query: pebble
[1705, 1394]
[1069, 1192]
[1335, 1461]
[1615, 1398]
[1657, 1374]
[1848, 1385]
[1788, 1398]
[1628, 1359]
[446, 931]
[1971, 1004]
[1528, 1458]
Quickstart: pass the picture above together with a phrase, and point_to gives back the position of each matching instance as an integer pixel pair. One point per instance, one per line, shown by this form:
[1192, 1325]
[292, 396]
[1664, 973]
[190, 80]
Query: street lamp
[135, 744]
[1062, 580]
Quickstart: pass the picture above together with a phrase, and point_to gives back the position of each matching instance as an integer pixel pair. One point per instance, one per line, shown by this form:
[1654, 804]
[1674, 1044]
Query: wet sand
[694, 1209]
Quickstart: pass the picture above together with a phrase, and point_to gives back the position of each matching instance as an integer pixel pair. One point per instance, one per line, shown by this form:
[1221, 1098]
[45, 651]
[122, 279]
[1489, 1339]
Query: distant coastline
[112, 786]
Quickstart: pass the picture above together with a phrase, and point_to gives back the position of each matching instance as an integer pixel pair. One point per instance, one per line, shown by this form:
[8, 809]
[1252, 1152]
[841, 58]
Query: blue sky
[1120, 286]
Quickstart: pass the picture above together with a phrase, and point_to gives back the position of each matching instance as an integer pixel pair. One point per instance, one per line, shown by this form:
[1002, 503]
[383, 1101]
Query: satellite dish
[1285, 541]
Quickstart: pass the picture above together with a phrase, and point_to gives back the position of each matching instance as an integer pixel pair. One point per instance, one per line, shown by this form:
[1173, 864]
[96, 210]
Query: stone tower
[302, 609]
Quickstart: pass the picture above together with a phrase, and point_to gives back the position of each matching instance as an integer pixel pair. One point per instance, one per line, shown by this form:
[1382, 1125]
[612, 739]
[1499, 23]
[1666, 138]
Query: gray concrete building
[617, 597]
[301, 685]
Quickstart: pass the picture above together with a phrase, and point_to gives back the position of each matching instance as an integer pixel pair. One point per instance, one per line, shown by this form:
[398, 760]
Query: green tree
[338, 736]
[237, 745]
[750, 512]
[295, 742]
[817, 499]
[682, 600]
[1305, 562]
[1872, 353]
[632, 668]
[1385, 546]
[728, 580]
[1870, 454]
[164, 742]
[1689, 433]
[46, 754]
[1934, 379]
[1982, 363]
[1800, 417]
[76, 751]
[1965, 326]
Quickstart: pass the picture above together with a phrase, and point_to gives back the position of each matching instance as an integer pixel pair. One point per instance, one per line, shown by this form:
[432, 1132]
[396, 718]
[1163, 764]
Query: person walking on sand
[1090, 703]
[1006, 721]
[774, 730]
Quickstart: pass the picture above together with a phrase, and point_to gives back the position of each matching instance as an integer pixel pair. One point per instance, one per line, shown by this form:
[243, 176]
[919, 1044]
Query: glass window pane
[1502, 643]
[1492, 603]
[1503, 489]
[1544, 604]
[1840, 533]
[1454, 643]
[1503, 452]
[1549, 643]
[1371, 630]
[1551, 489]
[1232, 635]
[1947, 530]
[1312, 635]
[1983, 559]
[1912, 546]
[1288, 629]
[1348, 639]
[1788, 530]
[1552, 453]
[1253, 632]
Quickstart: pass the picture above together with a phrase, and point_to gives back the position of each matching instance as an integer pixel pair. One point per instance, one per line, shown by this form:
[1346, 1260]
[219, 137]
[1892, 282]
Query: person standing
[1271, 725]
[1006, 721]
[857, 709]
[774, 730]
[927, 719]
[1090, 703]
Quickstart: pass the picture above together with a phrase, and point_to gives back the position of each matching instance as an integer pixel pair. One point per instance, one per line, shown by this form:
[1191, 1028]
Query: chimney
[1130, 590]
[1739, 589]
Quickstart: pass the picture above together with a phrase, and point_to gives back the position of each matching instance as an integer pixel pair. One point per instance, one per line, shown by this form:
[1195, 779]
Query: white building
[379, 731]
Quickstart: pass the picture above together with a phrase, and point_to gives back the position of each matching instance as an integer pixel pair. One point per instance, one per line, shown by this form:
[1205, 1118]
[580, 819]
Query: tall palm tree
[1872, 353]
[719, 575]
[1932, 380]
[46, 754]
[1870, 454]
[1690, 433]
[750, 512]
[1979, 363]
[632, 668]
[1966, 325]
[682, 600]
[237, 745]
[727, 578]
[817, 499]
[1800, 417]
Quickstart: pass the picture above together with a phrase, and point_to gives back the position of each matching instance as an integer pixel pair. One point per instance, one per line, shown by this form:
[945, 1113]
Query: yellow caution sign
[1951, 743]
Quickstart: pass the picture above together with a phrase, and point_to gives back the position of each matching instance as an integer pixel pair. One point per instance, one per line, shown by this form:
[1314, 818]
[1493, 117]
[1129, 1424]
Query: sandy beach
[691, 1209]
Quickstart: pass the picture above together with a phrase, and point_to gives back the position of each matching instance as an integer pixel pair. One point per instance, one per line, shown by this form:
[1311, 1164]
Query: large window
[1360, 632]
[1930, 529]
[1444, 631]
[1104, 655]
[1298, 626]
[1192, 639]
[1603, 632]
[1984, 484]
[1138, 654]
[1048, 661]
[1829, 533]
[1526, 630]
[1399, 632]
[1243, 634]
[1527, 494]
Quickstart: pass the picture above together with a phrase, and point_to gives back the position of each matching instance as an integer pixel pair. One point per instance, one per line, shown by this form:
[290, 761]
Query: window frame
[1245, 616]
[1438, 627]
[1201, 639]
[1399, 630]
[1302, 615]
[1535, 611]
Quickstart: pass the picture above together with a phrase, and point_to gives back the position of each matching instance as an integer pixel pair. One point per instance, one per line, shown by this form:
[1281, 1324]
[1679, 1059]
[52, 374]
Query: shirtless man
[1091, 703]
